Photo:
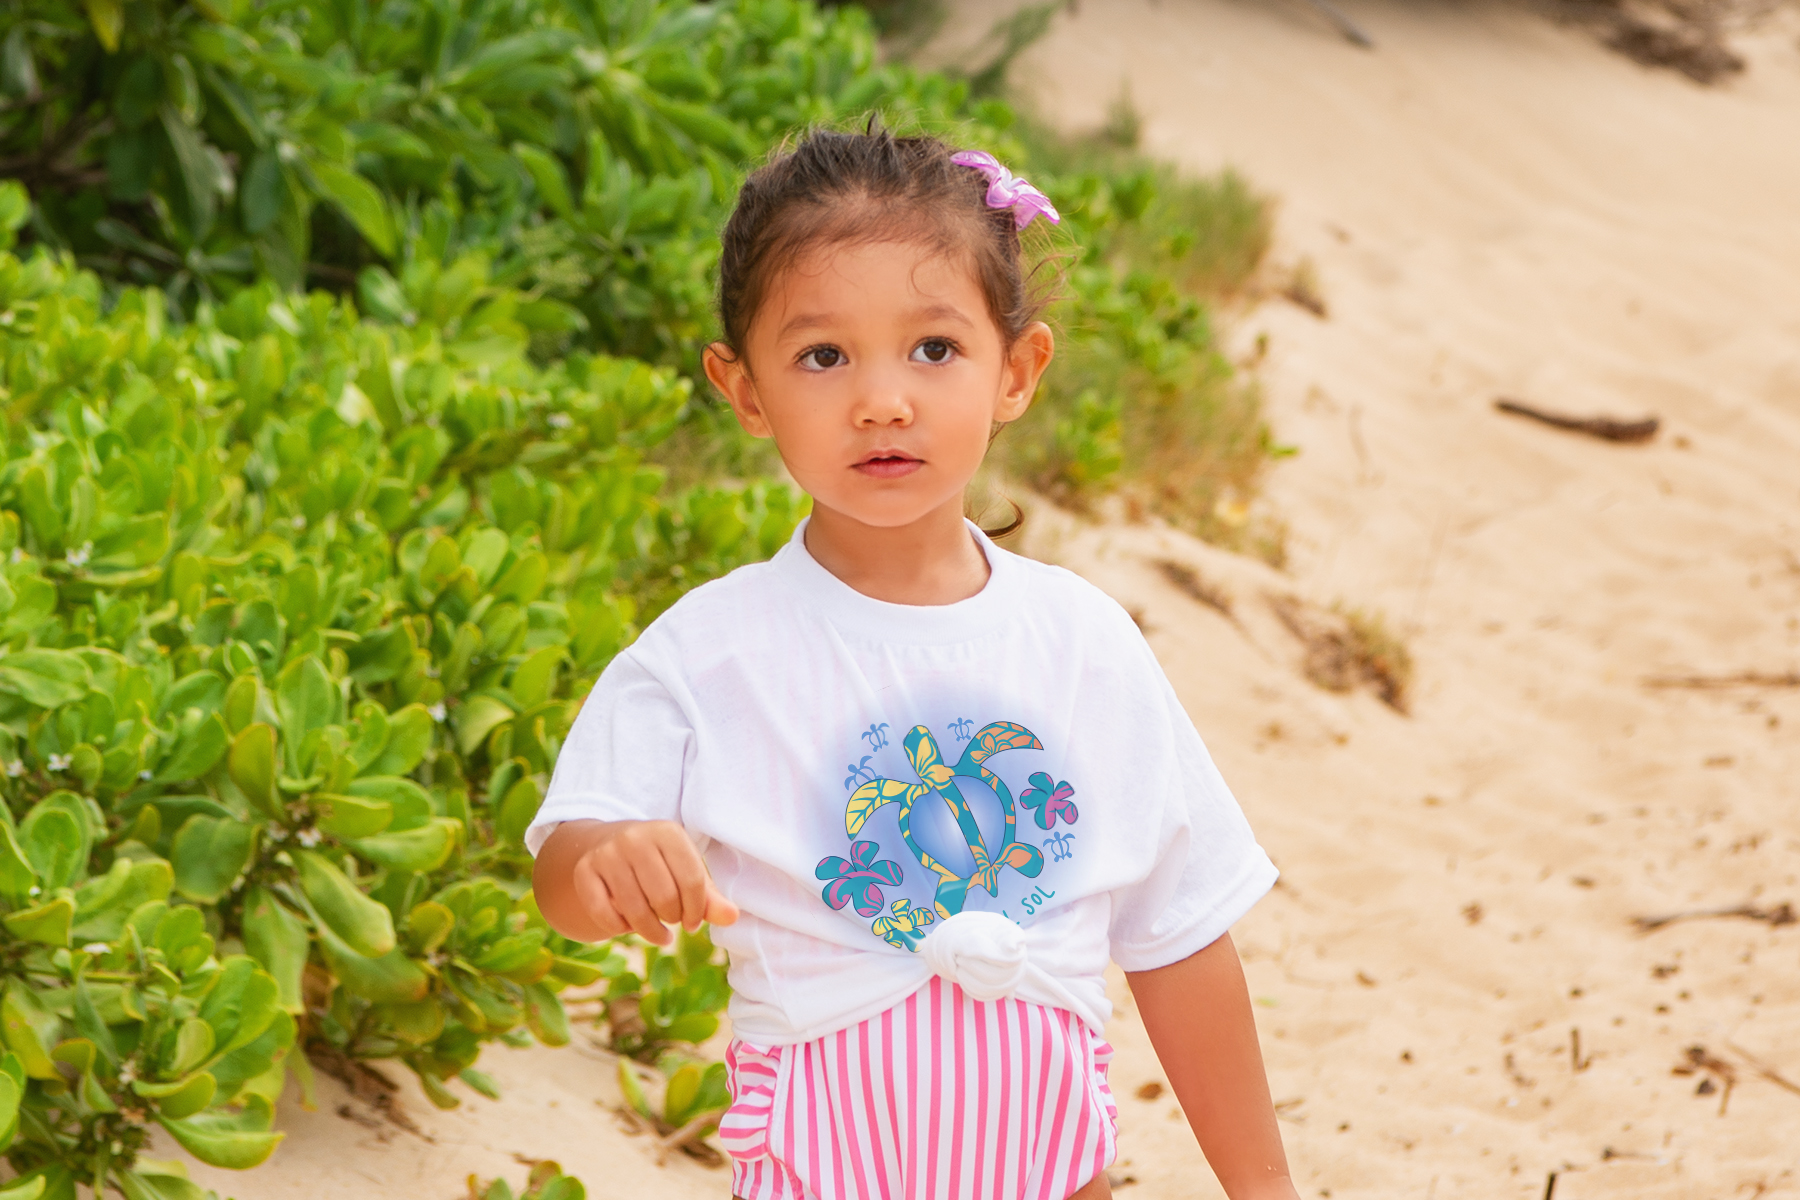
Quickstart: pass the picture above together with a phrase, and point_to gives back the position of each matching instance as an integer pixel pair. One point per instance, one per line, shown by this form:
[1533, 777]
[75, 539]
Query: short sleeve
[1207, 870]
[624, 758]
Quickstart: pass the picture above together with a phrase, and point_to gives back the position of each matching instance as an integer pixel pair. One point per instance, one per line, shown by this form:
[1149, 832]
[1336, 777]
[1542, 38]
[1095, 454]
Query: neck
[931, 561]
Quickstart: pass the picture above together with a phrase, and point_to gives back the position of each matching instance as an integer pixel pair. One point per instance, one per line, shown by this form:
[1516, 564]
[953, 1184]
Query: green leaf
[346, 817]
[33, 1188]
[197, 752]
[216, 1141]
[146, 1185]
[427, 925]
[545, 1016]
[679, 1096]
[252, 767]
[264, 192]
[520, 805]
[305, 698]
[30, 1030]
[108, 19]
[534, 680]
[182, 1099]
[393, 978]
[360, 202]
[481, 1081]
[44, 678]
[17, 875]
[411, 803]
[242, 1003]
[277, 938]
[361, 923]
[194, 1041]
[54, 843]
[11, 1092]
[47, 924]
[478, 717]
[200, 175]
[409, 736]
[547, 173]
[423, 849]
[209, 853]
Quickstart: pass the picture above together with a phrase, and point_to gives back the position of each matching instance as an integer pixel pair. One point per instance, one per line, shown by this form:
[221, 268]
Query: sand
[1494, 205]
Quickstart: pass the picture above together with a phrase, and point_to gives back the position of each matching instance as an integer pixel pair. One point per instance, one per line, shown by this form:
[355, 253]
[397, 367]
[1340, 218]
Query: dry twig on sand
[1699, 1061]
[1781, 914]
[1764, 1069]
[1608, 429]
[1763, 679]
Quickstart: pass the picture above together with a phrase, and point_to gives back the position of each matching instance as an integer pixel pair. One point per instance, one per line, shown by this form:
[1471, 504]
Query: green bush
[296, 610]
[1140, 397]
[588, 148]
[300, 591]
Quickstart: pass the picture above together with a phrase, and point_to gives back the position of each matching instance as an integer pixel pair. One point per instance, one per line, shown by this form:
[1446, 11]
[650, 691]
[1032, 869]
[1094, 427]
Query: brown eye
[821, 358]
[934, 350]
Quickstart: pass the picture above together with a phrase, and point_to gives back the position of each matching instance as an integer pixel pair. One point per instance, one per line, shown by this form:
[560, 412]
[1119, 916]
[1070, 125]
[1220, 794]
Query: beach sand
[1452, 996]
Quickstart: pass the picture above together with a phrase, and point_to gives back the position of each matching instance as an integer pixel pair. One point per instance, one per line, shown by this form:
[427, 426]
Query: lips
[888, 464]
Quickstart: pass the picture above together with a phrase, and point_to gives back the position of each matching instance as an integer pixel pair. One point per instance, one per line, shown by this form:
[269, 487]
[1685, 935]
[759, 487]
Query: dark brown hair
[832, 187]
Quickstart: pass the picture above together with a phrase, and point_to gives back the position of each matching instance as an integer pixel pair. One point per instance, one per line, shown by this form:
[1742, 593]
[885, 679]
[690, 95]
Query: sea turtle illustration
[936, 778]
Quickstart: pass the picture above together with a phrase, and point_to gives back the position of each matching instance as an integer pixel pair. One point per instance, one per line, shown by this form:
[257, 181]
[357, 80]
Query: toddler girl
[922, 788]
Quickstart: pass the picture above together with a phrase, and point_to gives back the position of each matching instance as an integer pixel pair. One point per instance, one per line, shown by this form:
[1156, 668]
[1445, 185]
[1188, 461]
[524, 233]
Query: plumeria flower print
[859, 879]
[1006, 190]
[1050, 800]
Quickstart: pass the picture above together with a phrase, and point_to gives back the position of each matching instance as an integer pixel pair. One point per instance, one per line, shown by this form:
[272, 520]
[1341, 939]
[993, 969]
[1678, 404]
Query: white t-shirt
[854, 772]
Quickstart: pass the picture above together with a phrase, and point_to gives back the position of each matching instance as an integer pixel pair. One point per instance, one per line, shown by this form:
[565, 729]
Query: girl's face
[879, 373]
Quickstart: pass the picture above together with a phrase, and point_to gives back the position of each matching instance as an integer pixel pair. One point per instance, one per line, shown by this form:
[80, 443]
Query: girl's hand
[598, 879]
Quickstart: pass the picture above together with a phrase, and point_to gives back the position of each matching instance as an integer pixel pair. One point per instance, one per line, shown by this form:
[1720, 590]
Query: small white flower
[279, 835]
[561, 420]
[59, 762]
[299, 521]
[33, 890]
[96, 948]
[15, 768]
[309, 838]
[127, 1072]
[437, 711]
[146, 775]
[18, 554]
[79, 558]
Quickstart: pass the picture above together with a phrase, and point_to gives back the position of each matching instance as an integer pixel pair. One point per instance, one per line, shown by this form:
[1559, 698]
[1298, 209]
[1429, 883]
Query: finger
[691, 882]
[719, 910]
[658, 886]
[590, 889]
[629, 900]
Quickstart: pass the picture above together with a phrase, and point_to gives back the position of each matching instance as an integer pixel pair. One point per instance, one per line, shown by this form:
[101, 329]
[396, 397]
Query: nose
[882, 399]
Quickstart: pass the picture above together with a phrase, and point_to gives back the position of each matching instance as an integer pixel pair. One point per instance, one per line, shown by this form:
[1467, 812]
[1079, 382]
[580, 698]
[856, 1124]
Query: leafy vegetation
[296, 609]
[301, 589]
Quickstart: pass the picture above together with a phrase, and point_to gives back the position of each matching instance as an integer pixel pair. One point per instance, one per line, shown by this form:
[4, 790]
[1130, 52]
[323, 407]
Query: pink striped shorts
[941, 1097]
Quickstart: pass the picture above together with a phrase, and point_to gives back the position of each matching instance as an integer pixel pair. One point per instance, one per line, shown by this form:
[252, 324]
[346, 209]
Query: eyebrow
[931, 312]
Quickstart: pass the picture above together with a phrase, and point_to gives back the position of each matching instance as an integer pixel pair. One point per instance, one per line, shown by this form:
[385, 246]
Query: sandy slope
[1494, 205]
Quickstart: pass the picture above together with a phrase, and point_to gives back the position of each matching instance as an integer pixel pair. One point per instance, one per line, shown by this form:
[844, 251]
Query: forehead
[872, 280]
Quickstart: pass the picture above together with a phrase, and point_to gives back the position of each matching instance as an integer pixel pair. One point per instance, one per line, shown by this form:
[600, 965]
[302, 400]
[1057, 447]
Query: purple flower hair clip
[1006, 190]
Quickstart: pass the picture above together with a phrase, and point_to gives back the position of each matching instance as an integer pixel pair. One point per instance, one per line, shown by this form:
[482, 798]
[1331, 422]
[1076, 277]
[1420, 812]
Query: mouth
[888, 464]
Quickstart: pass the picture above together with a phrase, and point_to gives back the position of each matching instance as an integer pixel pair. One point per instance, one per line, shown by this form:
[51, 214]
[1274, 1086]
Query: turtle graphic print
[957, 822]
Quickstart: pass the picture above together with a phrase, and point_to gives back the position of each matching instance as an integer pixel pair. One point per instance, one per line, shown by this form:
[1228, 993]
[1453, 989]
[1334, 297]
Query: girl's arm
[597, 879]
[1197, 1012]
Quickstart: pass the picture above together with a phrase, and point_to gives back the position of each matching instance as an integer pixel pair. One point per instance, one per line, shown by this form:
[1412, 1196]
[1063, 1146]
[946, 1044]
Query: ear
[1025, 363]
[731, 375]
